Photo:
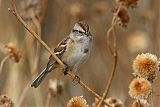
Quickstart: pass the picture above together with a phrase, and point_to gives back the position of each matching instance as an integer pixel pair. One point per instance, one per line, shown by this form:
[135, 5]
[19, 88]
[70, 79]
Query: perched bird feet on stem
[76, 80]
[65, 70]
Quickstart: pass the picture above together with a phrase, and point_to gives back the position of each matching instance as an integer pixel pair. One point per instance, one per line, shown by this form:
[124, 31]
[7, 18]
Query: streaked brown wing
[59, 51]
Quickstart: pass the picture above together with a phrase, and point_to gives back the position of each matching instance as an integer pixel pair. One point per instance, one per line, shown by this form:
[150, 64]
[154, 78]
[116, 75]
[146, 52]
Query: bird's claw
[65, 70]
[76, 80]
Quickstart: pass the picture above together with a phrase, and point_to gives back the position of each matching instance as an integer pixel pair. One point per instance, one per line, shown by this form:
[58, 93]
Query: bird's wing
[59, 51]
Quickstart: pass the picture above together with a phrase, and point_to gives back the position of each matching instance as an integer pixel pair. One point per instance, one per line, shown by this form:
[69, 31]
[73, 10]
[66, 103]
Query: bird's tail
[40, 78]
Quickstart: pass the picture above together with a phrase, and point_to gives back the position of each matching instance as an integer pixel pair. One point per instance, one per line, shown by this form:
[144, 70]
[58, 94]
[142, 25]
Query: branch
[114, 54]
[15, 13]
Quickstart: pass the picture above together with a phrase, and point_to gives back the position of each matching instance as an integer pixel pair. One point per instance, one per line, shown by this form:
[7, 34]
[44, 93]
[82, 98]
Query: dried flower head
[128, 3]
[5, 101]
[122, 17]
[138, 41]
[28, 8]
[139, 104]
[78, 101]
[146, 66]
[77, 12]
[55, 87]
[101, 7]
[14, 52]
[112, 102]
[140, 89]
[148, 15]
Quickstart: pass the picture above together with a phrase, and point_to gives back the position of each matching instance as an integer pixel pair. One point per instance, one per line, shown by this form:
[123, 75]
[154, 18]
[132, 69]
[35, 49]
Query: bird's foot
[65, 70]
[76, 80]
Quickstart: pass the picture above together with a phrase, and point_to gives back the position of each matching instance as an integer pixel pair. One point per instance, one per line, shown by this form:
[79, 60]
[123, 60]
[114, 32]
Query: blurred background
[53, 20]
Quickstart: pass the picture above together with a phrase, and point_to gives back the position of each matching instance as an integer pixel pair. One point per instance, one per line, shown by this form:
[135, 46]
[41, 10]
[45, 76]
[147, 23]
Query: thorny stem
[14, 12]
[2, 62]
[114, 54]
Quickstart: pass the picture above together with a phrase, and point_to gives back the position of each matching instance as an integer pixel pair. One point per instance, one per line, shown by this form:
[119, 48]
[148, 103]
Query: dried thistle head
[5, 101]
[77, 11]
[55, 87]
[146, 66]
[138, 41]
[122, 17]
[30, 8]
[112, 102]
[14, 52]
[139, 104]
[140, 89]
[128, 3]
[78, 101]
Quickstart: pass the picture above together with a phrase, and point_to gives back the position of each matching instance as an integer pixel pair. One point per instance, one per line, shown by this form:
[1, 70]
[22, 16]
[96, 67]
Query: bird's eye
[80, 31]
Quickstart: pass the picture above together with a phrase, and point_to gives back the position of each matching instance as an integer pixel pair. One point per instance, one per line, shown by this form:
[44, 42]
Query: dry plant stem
[86, 87]
[14, 11]
[49, 97]
[114, 54]
[83, 85]
[2, 62]
[23, 95]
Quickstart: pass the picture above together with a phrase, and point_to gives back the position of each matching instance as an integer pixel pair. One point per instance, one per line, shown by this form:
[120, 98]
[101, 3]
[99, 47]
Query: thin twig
[114, 54]
[14, 11]
[2, 62]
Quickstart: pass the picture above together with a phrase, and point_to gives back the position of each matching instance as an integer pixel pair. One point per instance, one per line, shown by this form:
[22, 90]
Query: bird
[73, 51]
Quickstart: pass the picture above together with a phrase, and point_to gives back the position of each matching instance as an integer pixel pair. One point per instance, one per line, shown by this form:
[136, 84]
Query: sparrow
[73, 50]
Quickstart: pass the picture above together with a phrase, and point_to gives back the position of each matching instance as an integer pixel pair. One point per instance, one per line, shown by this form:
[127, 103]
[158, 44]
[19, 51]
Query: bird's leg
[76, 80]
[66, 69]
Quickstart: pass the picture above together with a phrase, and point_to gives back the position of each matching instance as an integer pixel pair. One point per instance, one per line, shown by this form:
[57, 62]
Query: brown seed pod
[55, 87]
[140, 89]
[14, 52]
[30, 8]
[128, 3]
[146, 66]
[78, 101]
[122, 17]
[5, 101]
[112, 102]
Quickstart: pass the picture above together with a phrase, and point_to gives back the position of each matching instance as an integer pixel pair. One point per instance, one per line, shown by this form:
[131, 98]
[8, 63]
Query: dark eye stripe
[75, 30]
[78, 31]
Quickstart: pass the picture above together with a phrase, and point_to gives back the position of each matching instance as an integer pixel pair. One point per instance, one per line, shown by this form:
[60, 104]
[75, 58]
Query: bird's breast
[74, 53]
